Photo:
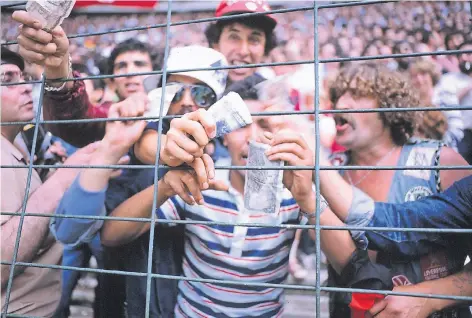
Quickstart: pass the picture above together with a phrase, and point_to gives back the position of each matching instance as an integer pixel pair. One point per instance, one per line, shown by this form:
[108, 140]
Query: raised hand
[185, 183]
[187, 138]
[121, 135]
[50, 50]
[291, 147]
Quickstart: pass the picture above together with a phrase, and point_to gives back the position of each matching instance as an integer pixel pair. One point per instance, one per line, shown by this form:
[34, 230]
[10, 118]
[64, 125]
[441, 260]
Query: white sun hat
[195, 56]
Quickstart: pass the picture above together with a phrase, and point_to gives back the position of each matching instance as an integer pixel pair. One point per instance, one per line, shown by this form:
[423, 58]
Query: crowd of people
[424, 262]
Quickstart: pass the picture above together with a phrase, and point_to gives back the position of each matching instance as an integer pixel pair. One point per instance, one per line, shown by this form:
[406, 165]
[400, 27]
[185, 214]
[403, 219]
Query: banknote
[262, 188]
[230, 113]
[50, 13]
[155, 97]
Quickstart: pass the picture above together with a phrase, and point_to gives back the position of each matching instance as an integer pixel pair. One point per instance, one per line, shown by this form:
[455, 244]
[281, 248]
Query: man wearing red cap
[242, 40]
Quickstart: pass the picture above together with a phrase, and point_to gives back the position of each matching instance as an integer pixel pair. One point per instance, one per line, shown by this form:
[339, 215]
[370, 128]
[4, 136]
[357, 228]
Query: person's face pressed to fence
[241, 45]
[357, 130]
[131, 62]
[17, 101]
[238, 140]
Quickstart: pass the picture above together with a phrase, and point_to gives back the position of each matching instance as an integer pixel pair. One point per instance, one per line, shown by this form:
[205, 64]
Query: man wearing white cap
[197, 90]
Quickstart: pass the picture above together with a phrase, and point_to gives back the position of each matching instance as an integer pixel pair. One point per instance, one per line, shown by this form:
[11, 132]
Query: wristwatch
[49, 88]
[312, 215]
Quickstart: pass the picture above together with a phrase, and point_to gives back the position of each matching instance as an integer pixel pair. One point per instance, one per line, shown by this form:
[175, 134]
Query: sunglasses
[14, 77]
[202, 95]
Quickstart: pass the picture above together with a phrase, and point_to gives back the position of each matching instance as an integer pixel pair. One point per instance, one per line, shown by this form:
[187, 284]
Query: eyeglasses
[202, 95]
[14, 77]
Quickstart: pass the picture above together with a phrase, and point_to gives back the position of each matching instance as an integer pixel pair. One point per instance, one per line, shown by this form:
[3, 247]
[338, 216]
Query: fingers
[378, 307]
[25, 18]
[174, 152]
[290, 158]
[287, 136]
[200, 170]
[116, 173]
[205, 119]
[133, 106]
[57, 149]
[36, 46]
[123, 160]
[191, 128]
[192, 185]
[185, 143]
[290, 147]
[183, 182]
[204, 169]
[218, 185]
[209, 166]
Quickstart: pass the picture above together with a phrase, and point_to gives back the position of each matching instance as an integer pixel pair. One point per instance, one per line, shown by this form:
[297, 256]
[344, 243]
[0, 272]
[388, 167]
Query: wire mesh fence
[317, 288]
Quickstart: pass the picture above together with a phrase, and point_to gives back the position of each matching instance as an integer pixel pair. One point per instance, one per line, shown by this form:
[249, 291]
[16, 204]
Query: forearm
[448, 210]
[138, 206]
[34, 230]
[62, 71]
[80, 202]
[459, 284]
[145, 148]
[337, 245]
[72, 104]
[97, 179]
[337, 192]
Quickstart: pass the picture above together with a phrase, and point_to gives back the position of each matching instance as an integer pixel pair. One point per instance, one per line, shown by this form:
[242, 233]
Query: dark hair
[81, 68]
[127, 46]
[449, 37]
[398, 44]
[246, 87]
[466, 42]
[213, 31]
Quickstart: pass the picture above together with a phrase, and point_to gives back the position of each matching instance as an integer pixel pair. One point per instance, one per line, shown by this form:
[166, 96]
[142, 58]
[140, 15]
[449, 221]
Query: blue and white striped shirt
[245, 254]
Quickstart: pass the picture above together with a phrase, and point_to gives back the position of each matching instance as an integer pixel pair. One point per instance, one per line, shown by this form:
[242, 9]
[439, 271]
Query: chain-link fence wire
[316, 168]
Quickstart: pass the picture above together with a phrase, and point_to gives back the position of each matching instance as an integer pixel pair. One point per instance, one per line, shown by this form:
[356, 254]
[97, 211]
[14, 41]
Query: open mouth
[239, 63]
[132, 87]
[341, 123]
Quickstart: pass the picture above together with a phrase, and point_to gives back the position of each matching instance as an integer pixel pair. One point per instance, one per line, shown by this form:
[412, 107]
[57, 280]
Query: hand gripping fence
[316, 112]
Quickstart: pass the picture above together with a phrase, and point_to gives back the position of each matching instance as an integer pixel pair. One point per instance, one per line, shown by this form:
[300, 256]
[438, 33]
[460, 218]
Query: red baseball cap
[230, 7]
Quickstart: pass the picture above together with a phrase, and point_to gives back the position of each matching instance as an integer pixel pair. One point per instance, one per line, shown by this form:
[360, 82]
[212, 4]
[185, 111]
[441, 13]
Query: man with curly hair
[386, 139]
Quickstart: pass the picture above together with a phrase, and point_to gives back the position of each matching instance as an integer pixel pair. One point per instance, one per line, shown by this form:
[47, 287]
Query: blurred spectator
[424, 77]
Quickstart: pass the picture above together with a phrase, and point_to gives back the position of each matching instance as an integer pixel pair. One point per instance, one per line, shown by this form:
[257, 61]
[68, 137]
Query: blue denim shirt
[451, 209]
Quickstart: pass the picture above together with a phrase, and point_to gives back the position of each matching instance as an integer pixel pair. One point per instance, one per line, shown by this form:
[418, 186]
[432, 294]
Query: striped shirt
[245, 254]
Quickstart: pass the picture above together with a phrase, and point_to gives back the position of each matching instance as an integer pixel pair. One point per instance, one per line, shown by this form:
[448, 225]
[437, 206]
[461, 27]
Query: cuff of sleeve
[78, 201]
[360, 213]
[67, 94]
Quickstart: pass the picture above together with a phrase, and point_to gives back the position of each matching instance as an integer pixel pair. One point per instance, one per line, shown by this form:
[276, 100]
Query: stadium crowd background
[343, 32]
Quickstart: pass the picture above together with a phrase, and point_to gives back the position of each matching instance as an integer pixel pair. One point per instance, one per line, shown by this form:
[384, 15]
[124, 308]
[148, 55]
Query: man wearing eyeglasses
[69, 100]
[35, 291]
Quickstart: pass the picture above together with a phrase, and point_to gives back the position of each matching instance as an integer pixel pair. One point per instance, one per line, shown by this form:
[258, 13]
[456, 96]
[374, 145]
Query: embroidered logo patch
[417, 193]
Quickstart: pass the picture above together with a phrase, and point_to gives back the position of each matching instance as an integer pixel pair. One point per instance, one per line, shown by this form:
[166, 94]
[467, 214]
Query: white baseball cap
[196, 56]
